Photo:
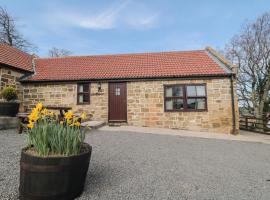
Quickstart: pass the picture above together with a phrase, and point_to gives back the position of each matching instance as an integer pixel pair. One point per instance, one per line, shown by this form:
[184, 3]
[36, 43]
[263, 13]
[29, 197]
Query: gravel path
[145, 166]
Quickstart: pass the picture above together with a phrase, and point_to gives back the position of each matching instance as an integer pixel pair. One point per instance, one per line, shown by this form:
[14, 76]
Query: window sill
[79, 104]
[204, 110]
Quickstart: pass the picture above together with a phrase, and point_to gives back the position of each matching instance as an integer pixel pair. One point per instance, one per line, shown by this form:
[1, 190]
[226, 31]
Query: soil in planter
[32, 151]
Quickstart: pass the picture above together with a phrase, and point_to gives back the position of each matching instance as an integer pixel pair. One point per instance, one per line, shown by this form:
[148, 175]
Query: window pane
[191, 91]
[191, 103]
[81, 98]
[83, 93]
[178, 104]
[178, 91]
[169, 92]
[80, 88]
[85, 98]
[175, 91]
[174, 104]
[117, 91]
[169, 104]
[200, 90]
[85, 88]
[201, 104]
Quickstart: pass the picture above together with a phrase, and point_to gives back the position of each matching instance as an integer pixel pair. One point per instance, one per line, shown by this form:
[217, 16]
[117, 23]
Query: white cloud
[116, 15]
[98, 22]
[142, 21]
[104, 20]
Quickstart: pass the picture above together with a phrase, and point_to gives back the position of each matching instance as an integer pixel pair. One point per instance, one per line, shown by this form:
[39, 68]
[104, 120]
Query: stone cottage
[190, 90]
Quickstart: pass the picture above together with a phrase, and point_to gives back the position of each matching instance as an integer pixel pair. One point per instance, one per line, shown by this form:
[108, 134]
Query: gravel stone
[126, 165]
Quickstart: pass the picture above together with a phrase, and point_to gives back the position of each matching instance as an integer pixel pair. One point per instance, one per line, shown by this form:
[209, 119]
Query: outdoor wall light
[99, 87]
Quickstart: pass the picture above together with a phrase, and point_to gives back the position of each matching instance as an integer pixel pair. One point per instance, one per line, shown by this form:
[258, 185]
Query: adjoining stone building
[191, 90]
[14, 64]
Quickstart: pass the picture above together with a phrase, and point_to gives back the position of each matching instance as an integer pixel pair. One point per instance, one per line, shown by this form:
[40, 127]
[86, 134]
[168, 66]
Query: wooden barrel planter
[54, 178]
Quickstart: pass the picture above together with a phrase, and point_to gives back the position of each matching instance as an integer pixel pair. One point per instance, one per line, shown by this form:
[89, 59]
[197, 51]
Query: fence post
[246, 122]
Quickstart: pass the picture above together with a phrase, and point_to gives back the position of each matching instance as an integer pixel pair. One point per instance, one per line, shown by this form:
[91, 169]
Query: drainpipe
[233, 105]
[0, 78]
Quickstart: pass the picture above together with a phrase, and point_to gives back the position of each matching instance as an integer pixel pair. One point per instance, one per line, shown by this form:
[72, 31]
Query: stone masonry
[145, 101]
[65, 94]
[146, 107]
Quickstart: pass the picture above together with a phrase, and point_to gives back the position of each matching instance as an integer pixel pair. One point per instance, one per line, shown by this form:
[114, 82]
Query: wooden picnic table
[23, 116]
[23, 120]
[62, 109]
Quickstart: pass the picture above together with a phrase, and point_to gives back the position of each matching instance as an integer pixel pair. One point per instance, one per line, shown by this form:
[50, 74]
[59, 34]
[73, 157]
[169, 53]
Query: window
[185, 97]
[117, 91]
[83, 93]
[174, 97]
[196, 97]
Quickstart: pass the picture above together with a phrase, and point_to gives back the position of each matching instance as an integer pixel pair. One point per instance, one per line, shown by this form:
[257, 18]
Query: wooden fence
[254, 124]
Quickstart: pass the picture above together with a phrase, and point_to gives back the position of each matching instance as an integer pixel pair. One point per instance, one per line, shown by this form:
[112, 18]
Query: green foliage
[47, 135]
[9, 94]
[53, 138]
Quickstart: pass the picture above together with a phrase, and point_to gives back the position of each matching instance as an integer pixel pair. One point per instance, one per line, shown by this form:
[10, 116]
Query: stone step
[8, 122]
[117, 123]
[93, 124]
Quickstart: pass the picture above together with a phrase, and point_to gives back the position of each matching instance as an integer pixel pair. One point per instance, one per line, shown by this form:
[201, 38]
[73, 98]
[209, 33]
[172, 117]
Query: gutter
[116, 79]
[15, 68]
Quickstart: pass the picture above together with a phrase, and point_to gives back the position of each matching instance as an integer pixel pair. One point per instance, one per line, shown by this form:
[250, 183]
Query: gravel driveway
[145, 166]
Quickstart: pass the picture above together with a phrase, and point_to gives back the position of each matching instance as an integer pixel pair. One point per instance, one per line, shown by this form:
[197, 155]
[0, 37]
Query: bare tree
[10, 35]
[56, 52]
[250, 51]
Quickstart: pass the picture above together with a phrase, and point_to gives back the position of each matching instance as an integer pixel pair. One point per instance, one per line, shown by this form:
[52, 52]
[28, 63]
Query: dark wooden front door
[117, 102]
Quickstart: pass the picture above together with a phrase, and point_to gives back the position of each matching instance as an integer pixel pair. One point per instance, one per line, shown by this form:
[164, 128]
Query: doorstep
[93, 124]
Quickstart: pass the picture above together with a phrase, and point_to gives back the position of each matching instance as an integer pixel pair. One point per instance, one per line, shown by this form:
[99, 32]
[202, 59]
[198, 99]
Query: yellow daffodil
[68, 115]
[45, 112]
[51, 114]
[33, 116]
[39, 106]
[77, 123]
[30, 125]
[83, 116]
[35, 110]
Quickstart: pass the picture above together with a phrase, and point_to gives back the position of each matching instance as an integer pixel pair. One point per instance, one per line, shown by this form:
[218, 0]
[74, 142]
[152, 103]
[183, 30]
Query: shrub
[49, 136]
[9, 94]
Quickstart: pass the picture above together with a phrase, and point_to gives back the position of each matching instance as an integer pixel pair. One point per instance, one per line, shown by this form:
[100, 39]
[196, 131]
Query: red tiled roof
[15, 58]
[142, 65]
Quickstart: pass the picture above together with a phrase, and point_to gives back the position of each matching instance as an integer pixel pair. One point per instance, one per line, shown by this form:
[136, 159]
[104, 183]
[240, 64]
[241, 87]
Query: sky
[91, 27]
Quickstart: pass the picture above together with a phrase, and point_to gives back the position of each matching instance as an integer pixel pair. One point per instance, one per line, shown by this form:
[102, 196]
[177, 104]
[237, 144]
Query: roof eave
[199, 76]
[16, 68]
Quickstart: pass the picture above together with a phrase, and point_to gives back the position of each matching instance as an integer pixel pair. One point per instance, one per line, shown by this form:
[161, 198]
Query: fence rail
[254, 124]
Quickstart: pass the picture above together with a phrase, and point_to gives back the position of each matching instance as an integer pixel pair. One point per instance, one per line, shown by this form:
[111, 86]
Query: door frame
[125, 120]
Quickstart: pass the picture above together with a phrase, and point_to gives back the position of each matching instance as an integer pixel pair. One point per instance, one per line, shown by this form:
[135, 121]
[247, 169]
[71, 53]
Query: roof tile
[141, 65]
[15, 58]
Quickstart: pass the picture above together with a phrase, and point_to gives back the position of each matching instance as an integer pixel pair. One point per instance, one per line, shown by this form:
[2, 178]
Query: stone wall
[65, 94]
[145, 104]
[9, 77]
[146, 107]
